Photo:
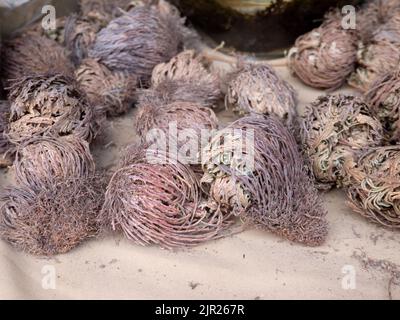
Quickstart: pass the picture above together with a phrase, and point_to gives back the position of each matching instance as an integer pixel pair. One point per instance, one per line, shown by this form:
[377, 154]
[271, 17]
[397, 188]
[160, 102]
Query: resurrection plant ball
[41, 161]
[5, 160]
[379, 56]
[326, 56]
[258, 89]
[33, 55]
[53, 220]
[159, 202]
[375, 189]
[48, 105]
[384, 100]
[255, 171]
[334, 127]
[111, 91]
[140, 39]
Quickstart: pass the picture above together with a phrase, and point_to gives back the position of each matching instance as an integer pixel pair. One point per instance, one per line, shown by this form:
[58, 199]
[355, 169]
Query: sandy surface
[250, 265]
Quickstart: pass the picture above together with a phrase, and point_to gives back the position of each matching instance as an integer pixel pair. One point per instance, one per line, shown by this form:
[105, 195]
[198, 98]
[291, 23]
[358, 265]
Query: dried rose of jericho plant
[33, 55]
[384, 99]
[140, 39]
[111, 91]
[375, 189]
[157, 202]
[5, 159]
[324, 57]
[333, 128]
[379, 56]
[48, 105]
[41, 161]
[53, 220]
[254, 170]
[259, 89]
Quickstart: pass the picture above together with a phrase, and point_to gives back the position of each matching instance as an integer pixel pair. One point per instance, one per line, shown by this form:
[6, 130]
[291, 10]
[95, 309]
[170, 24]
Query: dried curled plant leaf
[140, 39]
[32, 55]
[254, 169]
[324, 57]
[384, 99]
[5, 159]
[157, 202]
[259, 89]
[48, 105]
[41, 161]
[379, 56]
[53, 220]
[111, 91]
[80, 35]
[375, 189]
[333, 128]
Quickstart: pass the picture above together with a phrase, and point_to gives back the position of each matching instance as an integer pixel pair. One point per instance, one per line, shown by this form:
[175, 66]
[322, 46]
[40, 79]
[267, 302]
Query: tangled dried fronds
[33, 55]
[41, 161]
[373, 14]
[384, 99]
[48, 105]
[379, 56]
[333, 128]
[255, 170]
[80, 36]
[326, 56]
[112, 91]
[157, 202]
[258, 89]
[5, 160]
[140, 39]
[375, 188]
[185, 123]
[53, 220]
[103, 11]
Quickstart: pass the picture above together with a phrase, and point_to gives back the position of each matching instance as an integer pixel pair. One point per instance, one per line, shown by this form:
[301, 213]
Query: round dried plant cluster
[326, 56]
[255, 170]
[335, 128]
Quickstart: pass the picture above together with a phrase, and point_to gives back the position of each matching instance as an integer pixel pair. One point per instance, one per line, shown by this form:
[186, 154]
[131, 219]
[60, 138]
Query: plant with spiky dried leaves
[156, 202]
[375, 186]
[335, 128]
[113, 92]
[45, 105]
[254, 170]
[34, 55]
[324, 57]
[140, 39]
[53, 220]
[259, 89]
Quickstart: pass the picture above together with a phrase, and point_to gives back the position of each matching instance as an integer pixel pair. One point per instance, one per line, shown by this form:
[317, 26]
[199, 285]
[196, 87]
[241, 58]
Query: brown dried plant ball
[53, 220]
[255, 171]
[33, 55]
[112, 91]
[159, 202]
[324, 57]
[334, 127]
[384, 99]
[379, 56]
[41, 161]
[375, 189]
[45, 105]
[259, 89]
[140, 39]
[5, 158]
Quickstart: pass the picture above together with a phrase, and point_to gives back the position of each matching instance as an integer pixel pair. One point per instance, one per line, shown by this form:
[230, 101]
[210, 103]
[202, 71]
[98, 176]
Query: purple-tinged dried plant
[112, 91]
[156, 202]
[324, 57]
[255, 171]
[46, 105]
[334, 127]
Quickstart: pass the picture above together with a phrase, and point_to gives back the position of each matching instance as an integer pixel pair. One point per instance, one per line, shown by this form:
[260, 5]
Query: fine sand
[358, 261]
